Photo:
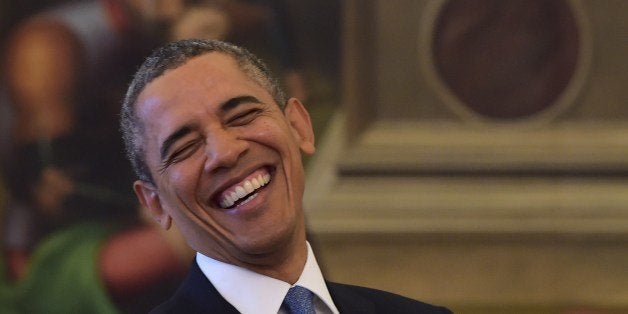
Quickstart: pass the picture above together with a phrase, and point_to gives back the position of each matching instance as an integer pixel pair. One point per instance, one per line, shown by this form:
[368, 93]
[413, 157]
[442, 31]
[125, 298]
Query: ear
[301, 125]
[149, 198]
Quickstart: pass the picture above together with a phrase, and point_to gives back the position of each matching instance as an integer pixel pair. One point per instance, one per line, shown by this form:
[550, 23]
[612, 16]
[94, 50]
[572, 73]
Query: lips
[245, 190]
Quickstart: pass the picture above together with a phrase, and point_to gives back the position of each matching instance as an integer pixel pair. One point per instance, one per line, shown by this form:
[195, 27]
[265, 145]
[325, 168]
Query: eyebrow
[235, 101]
[188, 128]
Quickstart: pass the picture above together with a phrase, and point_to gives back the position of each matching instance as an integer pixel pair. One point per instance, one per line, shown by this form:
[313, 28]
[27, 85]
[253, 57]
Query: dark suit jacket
[198, 295]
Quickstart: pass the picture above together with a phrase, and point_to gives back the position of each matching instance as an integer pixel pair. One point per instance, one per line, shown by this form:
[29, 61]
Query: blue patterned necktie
[299, 301]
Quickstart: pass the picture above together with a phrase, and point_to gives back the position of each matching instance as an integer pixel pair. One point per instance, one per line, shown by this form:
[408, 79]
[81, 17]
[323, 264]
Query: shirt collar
[250, 292]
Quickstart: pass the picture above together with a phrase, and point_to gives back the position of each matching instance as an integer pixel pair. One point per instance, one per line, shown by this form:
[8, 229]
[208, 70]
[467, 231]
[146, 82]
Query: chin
[269, 244]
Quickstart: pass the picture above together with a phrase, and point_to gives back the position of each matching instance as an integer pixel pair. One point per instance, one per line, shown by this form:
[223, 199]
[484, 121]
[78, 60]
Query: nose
[223, 149]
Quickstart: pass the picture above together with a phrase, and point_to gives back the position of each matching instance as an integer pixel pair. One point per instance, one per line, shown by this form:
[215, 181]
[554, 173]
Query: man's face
[225, 160]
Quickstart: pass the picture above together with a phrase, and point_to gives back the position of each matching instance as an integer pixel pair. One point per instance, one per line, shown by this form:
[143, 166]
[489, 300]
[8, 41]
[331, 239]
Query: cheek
[183, 178]
[178, 180]
[272, 134]
[280, 138]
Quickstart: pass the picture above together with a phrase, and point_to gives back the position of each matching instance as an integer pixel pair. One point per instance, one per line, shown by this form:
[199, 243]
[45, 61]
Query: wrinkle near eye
[177, 135]
[244, 117]
[181, 153]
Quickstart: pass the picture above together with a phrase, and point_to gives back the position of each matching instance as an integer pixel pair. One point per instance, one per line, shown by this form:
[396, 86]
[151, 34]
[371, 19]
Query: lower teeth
[248, 199]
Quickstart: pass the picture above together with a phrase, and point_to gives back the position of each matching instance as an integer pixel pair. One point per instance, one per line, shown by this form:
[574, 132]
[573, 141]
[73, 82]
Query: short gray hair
[172, 56]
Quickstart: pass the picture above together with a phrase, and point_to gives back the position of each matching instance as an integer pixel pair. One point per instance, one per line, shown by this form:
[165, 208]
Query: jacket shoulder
[356, 299]
[195, 295]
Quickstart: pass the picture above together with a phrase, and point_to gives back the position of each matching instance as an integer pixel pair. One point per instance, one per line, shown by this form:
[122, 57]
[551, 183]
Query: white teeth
[255, 183]
[245, 189]
[249, 199]
[248, 187]
[227, 202]
[240, 191]
[263, 179]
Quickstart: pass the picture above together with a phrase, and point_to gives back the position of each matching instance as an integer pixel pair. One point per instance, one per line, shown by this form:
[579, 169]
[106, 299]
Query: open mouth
[245, 190]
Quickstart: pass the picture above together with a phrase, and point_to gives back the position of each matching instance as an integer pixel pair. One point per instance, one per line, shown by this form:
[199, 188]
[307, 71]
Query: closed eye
[244, 117]
[181, 153]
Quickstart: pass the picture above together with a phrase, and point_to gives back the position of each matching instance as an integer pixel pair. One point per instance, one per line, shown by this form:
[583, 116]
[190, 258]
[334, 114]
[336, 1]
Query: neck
[285, 261]
[287, 269]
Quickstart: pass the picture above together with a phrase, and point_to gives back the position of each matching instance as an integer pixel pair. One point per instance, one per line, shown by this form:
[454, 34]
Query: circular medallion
[506, 60]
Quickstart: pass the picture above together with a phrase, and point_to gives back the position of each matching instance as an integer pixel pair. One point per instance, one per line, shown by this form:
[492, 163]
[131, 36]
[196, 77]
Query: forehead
[205, 70]
[208, 79]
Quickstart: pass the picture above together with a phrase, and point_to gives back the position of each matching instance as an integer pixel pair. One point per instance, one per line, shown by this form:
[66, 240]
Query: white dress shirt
[250, 292]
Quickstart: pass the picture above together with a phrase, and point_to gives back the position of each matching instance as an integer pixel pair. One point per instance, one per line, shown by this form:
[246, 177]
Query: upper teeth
[246, 188]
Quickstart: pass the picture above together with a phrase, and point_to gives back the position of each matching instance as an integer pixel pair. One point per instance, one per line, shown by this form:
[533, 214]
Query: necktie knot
[299, 301]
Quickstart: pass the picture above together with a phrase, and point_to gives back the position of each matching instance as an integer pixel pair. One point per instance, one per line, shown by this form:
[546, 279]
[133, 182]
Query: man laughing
[217, 150]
